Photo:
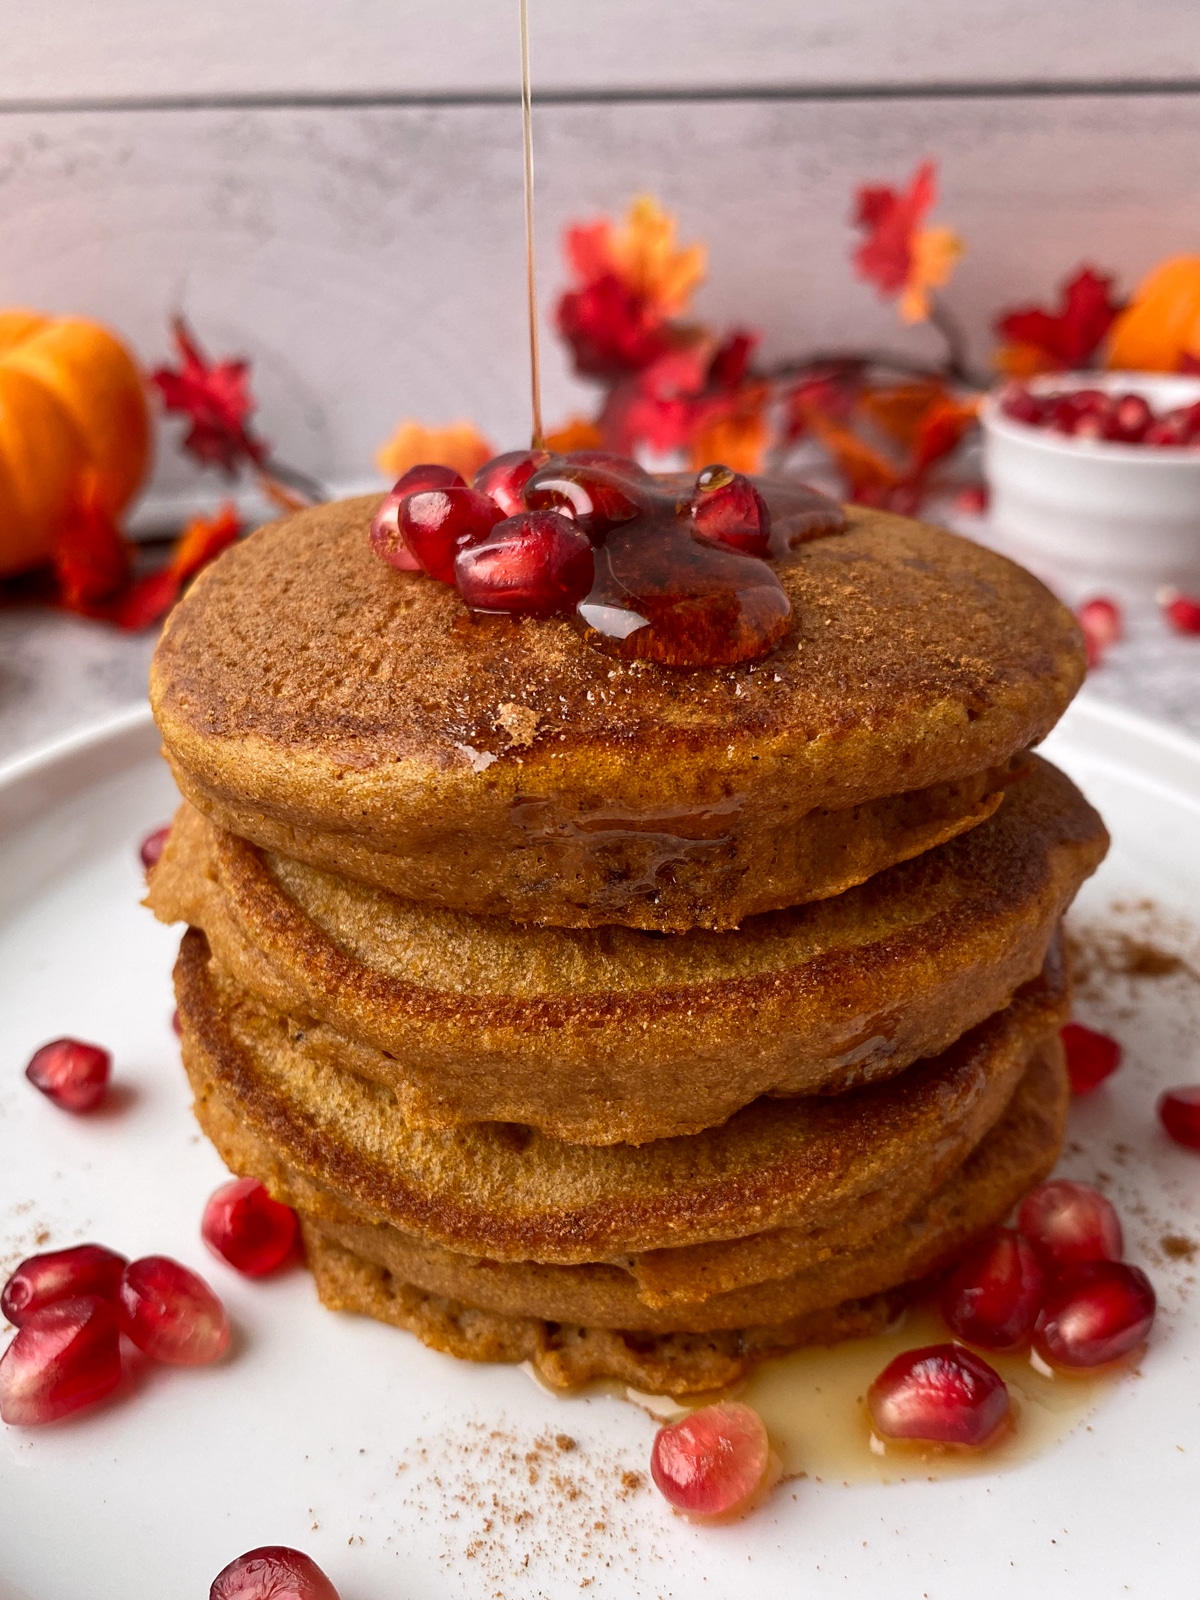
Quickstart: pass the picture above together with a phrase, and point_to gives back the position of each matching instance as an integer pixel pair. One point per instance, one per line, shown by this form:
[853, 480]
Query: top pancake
[318, 702]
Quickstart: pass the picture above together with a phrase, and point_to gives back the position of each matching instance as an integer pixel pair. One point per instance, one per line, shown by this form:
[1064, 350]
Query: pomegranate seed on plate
[994, 1295]
[65, 1356]
[1091, 1056]
[728, 510]
[437, 523]
[246, 1228]
[593, 497]
[272, 1572]
[504, 478]
[171, 1314]
[1182, 611]
[71, 1073]
[713, 1461]
[151, 848]
[1102, 626]
[1095, 1313]
[60, 1275]
[1071, 1223]
[972, 499]
[1179, 1113]
[538, 564]
[941, 1394]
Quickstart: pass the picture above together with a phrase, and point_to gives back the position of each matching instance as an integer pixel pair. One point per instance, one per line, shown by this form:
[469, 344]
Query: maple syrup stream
[538, 438]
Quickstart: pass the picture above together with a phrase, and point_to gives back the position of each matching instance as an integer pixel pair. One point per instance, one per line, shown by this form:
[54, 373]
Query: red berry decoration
[65, 1356]
[538, 564]
[151, 848]
[1179, 1113]
[728, 510]
[994, 1296]
[272, 1572]
[171, 1314]
[1102, 626]
[1182, 611]
[1091, 1056]
[437, 523]
[1095, 1313]
[941, 1395]
[711, 1462]
[246, 1228]
[1071, 1223]
[504, 478]
[72, 1074]
[595, 498]
[60, 1275]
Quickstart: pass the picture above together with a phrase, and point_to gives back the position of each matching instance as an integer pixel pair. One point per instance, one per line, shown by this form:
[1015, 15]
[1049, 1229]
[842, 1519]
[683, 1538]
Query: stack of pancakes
[634, 1021]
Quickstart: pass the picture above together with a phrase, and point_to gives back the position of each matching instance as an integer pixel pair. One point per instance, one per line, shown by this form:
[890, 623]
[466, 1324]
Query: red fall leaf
[216, 399]
[891, 219]
[1066, 338]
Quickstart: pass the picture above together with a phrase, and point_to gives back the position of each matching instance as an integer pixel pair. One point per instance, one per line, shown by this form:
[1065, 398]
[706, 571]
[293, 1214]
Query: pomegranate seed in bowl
[1091, 1056]
[151, 848]
[995, 1294]
[942, 1395]
[65, 1357]
[1094, 1314]
[60, 1275]
[1071, 1223]
[71, 1073]
[537, 564]
[171, 1314]
[728, 510]
[713, 1461]
[272, 1572]
[246, 1228]
[1179, 1113]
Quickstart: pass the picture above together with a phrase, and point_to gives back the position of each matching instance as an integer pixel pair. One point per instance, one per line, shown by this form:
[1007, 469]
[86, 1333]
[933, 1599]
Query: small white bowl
[1091, 508]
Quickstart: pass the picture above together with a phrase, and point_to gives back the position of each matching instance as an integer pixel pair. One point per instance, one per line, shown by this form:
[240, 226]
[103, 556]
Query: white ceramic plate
[407, 1475]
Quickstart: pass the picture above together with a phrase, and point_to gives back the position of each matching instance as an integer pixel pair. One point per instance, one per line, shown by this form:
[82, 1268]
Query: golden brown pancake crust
[588, 1035]
[512, 1194]
[318, 702]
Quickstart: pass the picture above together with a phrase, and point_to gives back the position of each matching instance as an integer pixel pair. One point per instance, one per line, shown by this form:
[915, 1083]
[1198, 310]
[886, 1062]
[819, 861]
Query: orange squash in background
[74, 422]
[1162, 321]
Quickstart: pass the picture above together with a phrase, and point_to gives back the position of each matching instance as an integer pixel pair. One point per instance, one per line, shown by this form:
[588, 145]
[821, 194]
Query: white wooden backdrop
[333, 189]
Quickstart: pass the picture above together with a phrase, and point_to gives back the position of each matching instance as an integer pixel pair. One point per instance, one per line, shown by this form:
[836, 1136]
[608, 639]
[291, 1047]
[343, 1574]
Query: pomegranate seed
[1129, 418]
[537, 563]
[994, 1296]
[1179, 1113]
[72, 1074]
[1182, 611]
[728, 510]
[713, 1461]
[64, 1357]
[386, 539]
[1170, 430]
[245, 1227]
[623, 466]
[504, 477]
[430, 475]
[593, 497]
[272, 1572]
[1102, 626]
[941, 1394]
[1095, 1313]
[437, 523]
[1018, 402]
[60, 1275]
[1083, 411]
[151, 847]
[1091, 1056]
[1071, 1223]
[171, 1314]
[176, 1025]
[972, 499]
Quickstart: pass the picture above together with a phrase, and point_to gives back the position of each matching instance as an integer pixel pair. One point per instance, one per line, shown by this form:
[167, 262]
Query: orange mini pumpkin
[1162, 321]
[73, 421]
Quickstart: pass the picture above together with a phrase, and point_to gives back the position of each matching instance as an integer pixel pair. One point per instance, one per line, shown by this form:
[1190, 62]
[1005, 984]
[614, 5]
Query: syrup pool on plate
[812, 1402]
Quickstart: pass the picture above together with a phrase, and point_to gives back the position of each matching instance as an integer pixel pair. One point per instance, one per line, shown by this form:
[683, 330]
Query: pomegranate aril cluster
[1096, 414]
[71, 1309]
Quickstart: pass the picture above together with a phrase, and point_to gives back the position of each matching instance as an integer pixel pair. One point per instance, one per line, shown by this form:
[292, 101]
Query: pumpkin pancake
[320, 703]
[581, 1323]
[512, 1194]
[589, 1035]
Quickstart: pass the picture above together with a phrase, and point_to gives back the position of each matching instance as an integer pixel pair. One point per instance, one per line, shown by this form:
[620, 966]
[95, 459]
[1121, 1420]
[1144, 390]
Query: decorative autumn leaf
[738, 437]
[576, 433]
[1063, 340]
[897, 410]
[663, 405]
[203, 539]
[459, 445]
[215, 397]
[940, 431]
[91, 561]
[612, 331]
[898, 255]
